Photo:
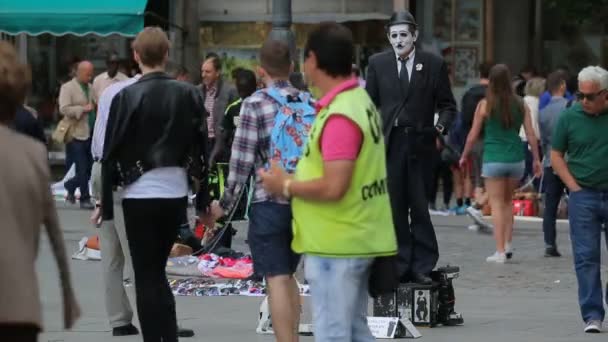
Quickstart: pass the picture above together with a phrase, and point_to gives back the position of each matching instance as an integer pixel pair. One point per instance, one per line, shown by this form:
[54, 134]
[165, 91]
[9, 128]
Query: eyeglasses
[591, 97]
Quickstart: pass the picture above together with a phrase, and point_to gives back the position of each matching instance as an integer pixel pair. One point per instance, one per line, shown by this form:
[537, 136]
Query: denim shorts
[503, 170]
[270, 235]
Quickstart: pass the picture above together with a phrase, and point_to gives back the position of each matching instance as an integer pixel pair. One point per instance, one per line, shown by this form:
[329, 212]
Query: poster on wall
[466, 61]
[442, 20]
[468, 20]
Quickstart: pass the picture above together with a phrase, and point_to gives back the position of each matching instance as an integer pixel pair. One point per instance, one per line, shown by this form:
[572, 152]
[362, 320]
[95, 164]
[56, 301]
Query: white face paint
[402, 39]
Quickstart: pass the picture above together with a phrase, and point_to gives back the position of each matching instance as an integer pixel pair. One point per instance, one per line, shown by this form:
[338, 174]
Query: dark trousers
[151, 226]
[418, 250]
[19, 332]
[554, 189]
[79, 151]
[441, 171]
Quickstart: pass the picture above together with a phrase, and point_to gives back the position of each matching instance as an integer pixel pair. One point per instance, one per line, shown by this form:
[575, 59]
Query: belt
[97, 159]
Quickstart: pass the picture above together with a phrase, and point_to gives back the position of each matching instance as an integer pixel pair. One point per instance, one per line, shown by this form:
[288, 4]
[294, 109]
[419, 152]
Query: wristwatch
[440, 128]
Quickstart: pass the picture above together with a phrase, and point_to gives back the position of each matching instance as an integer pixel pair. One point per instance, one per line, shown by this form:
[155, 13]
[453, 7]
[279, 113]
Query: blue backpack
[291, 127]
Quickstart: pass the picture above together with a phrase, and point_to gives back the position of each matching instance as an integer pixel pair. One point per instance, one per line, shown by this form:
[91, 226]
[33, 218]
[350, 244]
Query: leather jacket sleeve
[199, 155]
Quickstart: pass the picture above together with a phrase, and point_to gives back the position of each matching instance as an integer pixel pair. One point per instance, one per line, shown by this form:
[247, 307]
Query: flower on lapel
[418, 66]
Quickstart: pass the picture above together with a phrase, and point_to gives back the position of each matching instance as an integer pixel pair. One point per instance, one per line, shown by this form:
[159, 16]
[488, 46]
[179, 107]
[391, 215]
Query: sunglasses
[590, 97]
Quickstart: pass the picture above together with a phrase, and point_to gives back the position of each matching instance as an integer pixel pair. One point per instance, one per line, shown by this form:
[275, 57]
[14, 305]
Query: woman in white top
[534, 88]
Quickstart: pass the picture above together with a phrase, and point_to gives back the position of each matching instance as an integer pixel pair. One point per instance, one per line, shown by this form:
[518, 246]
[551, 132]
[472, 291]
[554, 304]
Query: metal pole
[538, 33]
[281, 25]
[191, 43]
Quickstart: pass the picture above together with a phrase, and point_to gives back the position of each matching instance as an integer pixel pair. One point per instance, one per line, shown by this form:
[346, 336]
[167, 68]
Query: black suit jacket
[429, 91]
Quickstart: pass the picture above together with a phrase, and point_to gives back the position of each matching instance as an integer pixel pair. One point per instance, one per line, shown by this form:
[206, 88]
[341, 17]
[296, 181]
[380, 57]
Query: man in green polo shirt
[580, 157]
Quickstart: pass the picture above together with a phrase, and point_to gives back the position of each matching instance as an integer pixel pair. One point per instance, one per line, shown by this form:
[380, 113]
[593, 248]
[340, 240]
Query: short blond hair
[535, 87]
[152, 46]
[15, 81]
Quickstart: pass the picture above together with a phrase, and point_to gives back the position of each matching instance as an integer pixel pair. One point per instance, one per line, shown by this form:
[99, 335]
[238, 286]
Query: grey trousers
[115, 259]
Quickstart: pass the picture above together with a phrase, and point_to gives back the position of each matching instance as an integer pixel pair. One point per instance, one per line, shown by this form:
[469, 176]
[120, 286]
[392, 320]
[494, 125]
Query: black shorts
[270, 235]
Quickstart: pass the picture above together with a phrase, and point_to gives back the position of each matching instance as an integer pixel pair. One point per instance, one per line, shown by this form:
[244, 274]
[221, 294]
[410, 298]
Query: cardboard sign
[383, 327]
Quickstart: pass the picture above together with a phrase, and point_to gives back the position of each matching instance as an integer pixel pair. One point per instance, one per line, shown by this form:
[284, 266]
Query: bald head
[84, 72]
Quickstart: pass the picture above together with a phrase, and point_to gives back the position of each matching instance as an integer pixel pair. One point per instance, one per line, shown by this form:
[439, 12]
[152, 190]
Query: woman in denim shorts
[500, 116]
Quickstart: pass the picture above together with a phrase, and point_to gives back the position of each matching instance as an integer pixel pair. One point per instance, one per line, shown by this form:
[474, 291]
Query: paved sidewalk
[531, 299]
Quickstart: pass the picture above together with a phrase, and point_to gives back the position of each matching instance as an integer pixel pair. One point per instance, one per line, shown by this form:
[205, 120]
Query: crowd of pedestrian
[348, 180]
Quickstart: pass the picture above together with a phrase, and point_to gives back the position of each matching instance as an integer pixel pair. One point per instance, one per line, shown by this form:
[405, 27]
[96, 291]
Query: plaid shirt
[252, 143]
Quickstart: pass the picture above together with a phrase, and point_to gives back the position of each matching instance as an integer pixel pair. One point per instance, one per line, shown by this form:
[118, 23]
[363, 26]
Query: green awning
[78, 17]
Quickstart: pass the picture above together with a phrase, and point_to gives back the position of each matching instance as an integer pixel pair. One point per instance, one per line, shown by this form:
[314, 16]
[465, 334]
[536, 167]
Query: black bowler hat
[401, 17]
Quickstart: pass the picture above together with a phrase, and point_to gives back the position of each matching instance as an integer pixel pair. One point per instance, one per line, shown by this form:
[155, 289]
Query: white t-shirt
[532, 103]
[163, 182]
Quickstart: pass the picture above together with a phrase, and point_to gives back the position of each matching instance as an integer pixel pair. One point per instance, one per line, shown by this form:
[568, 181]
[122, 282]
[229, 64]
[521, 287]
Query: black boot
[552, 252]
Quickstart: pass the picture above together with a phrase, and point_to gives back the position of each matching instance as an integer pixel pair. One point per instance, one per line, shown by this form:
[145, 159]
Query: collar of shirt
[331, 95]
[410, 57]
[107, 76]
[211, 89]
[278, 84]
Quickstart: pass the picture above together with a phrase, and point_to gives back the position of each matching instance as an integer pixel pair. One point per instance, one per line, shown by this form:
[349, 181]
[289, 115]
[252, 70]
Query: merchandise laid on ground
[200, 287]
[211, 265]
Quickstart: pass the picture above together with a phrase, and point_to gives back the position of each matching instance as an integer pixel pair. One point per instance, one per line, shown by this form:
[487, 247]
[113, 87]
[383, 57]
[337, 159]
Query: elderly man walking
[581, 134]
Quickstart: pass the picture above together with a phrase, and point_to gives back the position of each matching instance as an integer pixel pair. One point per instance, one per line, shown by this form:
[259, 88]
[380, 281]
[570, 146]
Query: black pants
[408, 184]
[151, 226]
[19, 332]
[554, 189]
[441, 171]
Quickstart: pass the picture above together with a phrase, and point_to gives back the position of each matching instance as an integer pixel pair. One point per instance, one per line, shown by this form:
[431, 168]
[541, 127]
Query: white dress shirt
[409, 64]
[103, 111]
[103, 81]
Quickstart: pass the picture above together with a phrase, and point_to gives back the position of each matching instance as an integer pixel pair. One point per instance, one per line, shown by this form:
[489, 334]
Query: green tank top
[503, 145]
[361, 223]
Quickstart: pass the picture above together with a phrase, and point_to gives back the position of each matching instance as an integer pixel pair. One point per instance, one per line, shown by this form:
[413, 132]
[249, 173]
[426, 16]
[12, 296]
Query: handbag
[62, 133]
[383, 277]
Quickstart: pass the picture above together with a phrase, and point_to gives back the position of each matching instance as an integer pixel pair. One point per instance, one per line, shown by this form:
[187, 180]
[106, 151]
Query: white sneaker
[477, 217]
[593, 327]
[497, 257]
[474, 227]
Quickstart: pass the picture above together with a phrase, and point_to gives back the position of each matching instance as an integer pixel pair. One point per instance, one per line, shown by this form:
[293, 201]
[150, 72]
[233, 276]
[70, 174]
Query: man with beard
[408, 86]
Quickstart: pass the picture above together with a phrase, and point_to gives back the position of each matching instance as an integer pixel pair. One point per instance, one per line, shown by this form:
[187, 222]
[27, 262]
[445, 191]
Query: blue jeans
[339, 298]
[79, 152]
[554, 189]
[588, 211]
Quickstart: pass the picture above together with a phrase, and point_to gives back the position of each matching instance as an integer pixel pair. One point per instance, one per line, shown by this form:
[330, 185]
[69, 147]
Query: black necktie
[404, 75]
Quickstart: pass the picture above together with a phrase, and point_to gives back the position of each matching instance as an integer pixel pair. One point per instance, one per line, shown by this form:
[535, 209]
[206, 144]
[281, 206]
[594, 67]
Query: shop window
[457, 34]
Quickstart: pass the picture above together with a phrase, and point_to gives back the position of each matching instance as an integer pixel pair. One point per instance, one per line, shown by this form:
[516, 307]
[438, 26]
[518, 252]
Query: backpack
[291, 127]
[457, 134]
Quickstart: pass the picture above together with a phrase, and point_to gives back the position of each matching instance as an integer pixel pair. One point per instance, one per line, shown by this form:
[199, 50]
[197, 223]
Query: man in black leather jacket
[156, 142]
